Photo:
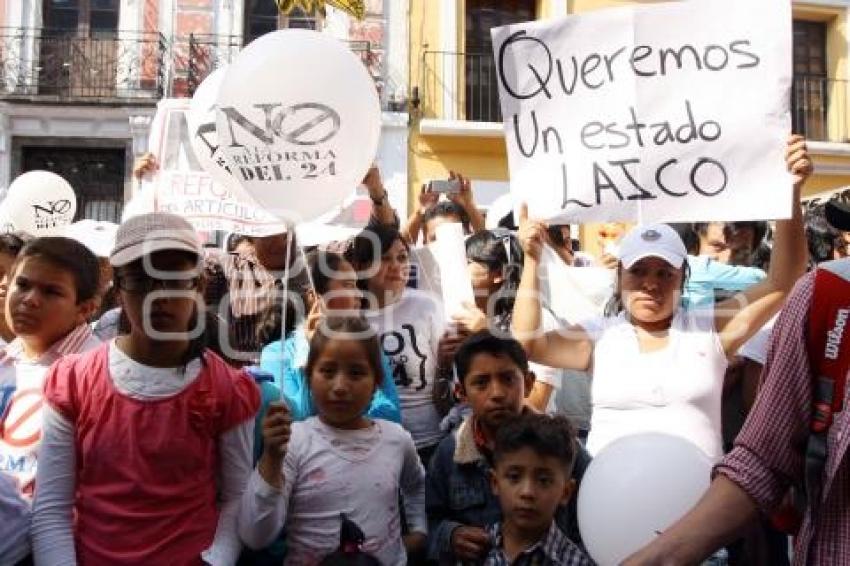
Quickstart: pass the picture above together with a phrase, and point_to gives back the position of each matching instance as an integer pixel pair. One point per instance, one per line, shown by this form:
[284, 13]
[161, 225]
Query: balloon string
[289, 249]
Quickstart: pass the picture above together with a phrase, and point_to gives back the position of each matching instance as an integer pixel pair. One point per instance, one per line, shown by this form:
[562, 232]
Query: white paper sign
[181, 186]
[676, 111]
[574, 294]
[450, 253]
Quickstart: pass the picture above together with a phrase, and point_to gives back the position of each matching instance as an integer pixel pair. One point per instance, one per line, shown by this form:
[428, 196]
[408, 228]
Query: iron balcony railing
[819, 108]
[464, 86]
[459, 86]
[65, 66]
[200, 55]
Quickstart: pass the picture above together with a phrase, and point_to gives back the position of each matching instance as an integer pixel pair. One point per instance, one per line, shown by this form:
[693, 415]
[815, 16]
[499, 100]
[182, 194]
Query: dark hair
[484, 342]
[821, 237]
[361, 253]
[68, 255]
[322, 265]
[11, 243]
[491, 249]
[689, 237]
[556, 235]
[445, 208]
[359, 330]
[545, 435]
[234, 240]
[758, 227]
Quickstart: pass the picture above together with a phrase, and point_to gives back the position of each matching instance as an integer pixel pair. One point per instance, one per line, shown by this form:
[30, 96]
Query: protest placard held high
[668, 112]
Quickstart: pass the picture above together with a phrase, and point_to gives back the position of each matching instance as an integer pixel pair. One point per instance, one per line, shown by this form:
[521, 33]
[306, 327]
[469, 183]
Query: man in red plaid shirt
[770, 453]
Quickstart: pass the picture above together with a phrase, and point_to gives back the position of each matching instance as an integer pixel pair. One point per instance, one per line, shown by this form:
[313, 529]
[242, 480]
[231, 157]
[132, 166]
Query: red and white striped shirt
[769, 453]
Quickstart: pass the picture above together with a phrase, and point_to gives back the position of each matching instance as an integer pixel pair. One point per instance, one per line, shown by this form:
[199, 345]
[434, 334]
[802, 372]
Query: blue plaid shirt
[553, 550]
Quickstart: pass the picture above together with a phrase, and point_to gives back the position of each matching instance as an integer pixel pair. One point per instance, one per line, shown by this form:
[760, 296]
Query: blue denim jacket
[458, 493]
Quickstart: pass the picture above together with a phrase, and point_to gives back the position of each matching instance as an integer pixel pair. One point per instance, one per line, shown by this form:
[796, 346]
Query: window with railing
[481, 88]
[262, 17]
[809, 97]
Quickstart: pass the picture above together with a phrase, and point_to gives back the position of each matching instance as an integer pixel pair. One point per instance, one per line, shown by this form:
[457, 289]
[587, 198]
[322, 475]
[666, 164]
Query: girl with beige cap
[148, 438]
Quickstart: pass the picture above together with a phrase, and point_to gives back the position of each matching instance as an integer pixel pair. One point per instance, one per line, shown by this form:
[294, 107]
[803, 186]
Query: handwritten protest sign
[181, 186]
[666, 112]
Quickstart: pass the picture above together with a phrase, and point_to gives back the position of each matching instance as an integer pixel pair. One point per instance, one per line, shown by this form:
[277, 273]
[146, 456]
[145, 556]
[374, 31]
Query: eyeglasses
[145, 284]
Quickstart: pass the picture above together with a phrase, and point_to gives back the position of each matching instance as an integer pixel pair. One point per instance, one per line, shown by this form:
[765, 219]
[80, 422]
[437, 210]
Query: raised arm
[411, 228]
[569, 348]
[382, 212]
[738, 318]
[465, 198]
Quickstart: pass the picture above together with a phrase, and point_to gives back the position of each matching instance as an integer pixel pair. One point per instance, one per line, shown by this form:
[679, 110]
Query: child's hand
[276, 428]
[470, 543]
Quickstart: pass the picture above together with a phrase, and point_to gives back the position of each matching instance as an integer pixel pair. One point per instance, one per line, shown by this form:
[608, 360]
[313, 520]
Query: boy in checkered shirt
[532, 476]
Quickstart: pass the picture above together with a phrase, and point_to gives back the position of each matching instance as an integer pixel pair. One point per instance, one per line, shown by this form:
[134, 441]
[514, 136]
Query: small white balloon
[299, 121]
[40, 203]
[635, 488]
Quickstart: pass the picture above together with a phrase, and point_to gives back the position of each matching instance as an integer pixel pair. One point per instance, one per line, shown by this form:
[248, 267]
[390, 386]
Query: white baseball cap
[652, 240]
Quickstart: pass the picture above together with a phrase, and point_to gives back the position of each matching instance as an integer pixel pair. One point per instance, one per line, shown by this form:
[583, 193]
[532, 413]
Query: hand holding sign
[531, 235]
[299, 122]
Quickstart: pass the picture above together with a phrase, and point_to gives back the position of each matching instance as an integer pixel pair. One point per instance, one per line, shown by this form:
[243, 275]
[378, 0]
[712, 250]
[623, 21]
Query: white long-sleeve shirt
[52, 530]
[328, 471]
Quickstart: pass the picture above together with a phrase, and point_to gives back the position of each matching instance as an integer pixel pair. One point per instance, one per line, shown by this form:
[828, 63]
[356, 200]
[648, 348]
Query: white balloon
[140, 203]
[97, 235]
[40, 203]
[201, 119]
[635, 488]
[299, 121]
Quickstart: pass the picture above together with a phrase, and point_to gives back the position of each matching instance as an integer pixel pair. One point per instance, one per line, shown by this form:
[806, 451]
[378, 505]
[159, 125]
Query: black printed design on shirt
[398, 356]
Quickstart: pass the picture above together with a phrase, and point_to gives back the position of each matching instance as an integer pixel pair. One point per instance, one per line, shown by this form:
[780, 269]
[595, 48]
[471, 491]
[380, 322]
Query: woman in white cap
[657, 367]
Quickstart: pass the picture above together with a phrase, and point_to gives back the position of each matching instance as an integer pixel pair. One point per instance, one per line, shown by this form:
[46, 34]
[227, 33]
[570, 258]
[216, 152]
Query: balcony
[58, 66]
[440, 97]
[200, 55]
[463, 87]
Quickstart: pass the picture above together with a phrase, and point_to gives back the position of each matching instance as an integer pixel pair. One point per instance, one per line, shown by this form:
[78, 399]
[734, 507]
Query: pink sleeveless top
[146, 470]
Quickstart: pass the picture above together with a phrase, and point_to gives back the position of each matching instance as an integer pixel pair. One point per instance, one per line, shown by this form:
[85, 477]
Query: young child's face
[530, 487]
[343, 293]
[41, 304]
[342, 383]
[178, 287]
[494, 388]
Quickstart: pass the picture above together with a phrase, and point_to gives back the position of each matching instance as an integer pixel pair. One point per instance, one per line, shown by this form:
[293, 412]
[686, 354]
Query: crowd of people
[176, 404]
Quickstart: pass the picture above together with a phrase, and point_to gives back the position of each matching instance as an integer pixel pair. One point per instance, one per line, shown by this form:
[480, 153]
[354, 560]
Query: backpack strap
[828, 344]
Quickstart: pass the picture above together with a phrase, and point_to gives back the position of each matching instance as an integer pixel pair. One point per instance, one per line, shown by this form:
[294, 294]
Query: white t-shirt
[676, 390]
[22, 404]
[409, 332]
[328, 471]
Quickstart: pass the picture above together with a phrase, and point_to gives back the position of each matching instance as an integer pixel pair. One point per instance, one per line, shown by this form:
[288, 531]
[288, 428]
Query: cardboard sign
[676, 111]
[181, 186]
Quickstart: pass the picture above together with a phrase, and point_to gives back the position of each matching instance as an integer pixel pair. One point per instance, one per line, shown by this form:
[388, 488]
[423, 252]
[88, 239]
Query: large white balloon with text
[634, 489]
[298, 120]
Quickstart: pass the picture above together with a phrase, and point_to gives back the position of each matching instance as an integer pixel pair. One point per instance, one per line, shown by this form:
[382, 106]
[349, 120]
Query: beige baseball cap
[153, 232]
